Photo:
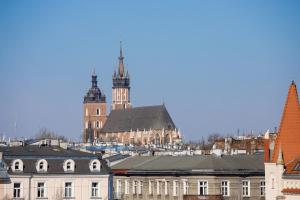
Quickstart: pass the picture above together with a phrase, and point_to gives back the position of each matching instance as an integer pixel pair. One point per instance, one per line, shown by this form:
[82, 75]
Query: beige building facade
[175, 177]
[44, 172]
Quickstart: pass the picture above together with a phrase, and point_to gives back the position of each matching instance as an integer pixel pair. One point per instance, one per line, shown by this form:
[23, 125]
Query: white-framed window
[246, 188]
[127, 186]
[202, 188]
[41, 165]
[119, 187]
[68, 189]
[262, 188]
[95, 189]
[175, 188]
[17, 190]
[40, 190]
[17, 165]
[95, 165]
[225, 188]
[158, 184]
[151, 187]
[185, 186]
[140, 187]
[69, 165]
[135, 187]
[166, 187]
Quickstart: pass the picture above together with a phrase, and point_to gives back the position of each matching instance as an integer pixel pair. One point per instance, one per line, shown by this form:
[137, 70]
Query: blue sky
[219, 66]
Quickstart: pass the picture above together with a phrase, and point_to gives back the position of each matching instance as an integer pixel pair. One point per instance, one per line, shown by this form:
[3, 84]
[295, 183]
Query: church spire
[287, 141]
[121, 63]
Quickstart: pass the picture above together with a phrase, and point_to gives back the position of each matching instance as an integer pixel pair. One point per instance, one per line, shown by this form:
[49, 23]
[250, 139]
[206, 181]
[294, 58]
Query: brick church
[125, 123]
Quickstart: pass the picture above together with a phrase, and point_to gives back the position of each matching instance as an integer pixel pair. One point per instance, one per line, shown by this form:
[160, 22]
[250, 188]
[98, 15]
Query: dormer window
[41, 165]
[69, 165]
[17, 165]
[95, 165]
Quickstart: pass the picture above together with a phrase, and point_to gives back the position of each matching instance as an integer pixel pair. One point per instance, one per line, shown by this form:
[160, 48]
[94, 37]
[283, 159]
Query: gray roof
[199, 164]
[139, 118]
[54, 155]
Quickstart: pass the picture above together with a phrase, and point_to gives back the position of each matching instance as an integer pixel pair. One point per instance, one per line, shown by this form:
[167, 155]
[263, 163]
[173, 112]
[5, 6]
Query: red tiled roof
[289, 132]
[291, 190]
[290, 167]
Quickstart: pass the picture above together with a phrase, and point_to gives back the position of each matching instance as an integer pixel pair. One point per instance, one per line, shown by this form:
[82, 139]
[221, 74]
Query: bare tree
[47, 134]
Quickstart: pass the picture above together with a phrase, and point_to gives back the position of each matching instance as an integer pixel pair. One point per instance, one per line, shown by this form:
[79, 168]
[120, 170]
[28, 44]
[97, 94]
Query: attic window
[17, 165]
[297, 167]
[69, 165]
[42, 166]
[95, 165]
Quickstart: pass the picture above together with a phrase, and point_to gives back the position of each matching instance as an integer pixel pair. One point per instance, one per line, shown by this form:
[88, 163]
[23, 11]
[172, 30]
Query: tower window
[97, 124]
[98, 111]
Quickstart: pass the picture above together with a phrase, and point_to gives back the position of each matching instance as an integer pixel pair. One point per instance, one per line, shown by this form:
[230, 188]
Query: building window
[95, 189]
[158, 184]
[41, 166]
[97, 124]
[166, 187]
[225, 188]
[185, 186]
[151, 187]
[17, 165]
[262, 188]
[140, 187]
[119, 187]
[98, 111]
[68, 189]
[41, 190]
[202, 188]
[246, 188]
[135, 187]
[126, 187]
[68, 165]
[17, 190]
[175, 188]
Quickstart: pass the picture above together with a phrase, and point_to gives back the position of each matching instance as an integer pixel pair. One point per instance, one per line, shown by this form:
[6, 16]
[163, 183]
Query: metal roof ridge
[146, 161]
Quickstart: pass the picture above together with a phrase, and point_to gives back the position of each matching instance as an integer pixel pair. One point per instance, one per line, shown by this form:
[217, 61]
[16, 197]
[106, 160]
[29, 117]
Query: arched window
[98, 111]
[69, 165]
[17, 165]
[95, 165]
[97, 124]
[41, 165]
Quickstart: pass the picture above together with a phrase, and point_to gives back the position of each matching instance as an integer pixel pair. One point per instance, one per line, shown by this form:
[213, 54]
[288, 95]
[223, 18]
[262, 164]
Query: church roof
[148, 117]
[288, 138]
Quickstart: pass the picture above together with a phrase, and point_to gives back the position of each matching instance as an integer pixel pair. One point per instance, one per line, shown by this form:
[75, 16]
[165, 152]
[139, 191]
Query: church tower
[121, 86]
[94, 112]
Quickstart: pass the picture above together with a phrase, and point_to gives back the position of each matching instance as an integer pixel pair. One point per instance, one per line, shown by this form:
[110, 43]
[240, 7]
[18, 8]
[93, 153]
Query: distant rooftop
[139, 118]
[207, 164]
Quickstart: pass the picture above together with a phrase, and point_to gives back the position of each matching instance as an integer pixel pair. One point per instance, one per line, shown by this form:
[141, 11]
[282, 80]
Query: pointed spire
[121, 64]
[280, 157]
[288, 137]
[94, 79]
